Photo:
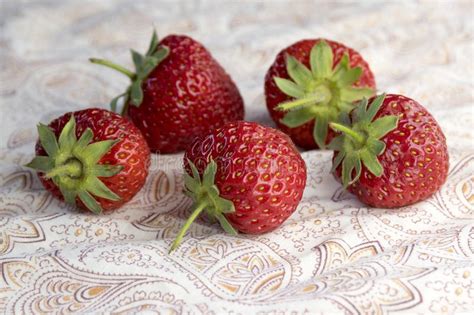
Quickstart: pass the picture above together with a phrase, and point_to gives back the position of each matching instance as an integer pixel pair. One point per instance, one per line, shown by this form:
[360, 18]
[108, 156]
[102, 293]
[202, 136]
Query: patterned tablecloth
[333, 255]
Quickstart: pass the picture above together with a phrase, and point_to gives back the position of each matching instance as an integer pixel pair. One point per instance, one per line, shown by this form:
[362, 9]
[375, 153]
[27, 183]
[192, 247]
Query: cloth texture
[333, 255]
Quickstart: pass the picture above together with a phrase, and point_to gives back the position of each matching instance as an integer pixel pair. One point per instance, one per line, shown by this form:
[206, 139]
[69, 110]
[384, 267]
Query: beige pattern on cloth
[333, 255]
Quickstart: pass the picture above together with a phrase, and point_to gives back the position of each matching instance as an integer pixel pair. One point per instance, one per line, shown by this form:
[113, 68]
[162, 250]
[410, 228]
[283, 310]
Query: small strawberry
[247, 176]
[391, 153]
[314, 81]
[93, 158]
[178, 92]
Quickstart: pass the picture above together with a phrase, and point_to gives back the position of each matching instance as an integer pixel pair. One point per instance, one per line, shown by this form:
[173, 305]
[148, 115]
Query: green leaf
[297, 118]
[138, 60]
[95, 151]
[84, 140]
[358, 169]
[213, 192]
[209, 174]
[226, 225]
[90, 202]
[375, 146]
[289, 88]
[320, 131]
[114, 101]
[383, 125]
[148, 66]
[67, 138]
[68, 195]
[136, 93]
[336, 143]
[190, 183]
[352, 94]
[297, 71]
[337, 161]
[41, 163]
[371, 163]
[360, 111]
[348, 165]
[342, 66]
[350, 77]
[103, 170]
[194, 171]
[224, 205]
[321, 60]
[344, 119]
[161, 53]
[374, 108]
[96, 187]
[48, 140]
[153, 44]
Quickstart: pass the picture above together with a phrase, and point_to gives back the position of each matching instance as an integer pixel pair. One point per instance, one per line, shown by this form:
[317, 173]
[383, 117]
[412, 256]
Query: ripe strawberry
[93, 158]
[178, 92]
[314, 81]
[393, 153]
[247, 176]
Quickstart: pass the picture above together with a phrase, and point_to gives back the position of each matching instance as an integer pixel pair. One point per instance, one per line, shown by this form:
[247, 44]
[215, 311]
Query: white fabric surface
[332, 256]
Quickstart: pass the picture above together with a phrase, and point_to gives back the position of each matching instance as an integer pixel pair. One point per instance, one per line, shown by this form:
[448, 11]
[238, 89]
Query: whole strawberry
[311, 83]
[178, 92]
[93, 158]
[247, 176]
[391, 153]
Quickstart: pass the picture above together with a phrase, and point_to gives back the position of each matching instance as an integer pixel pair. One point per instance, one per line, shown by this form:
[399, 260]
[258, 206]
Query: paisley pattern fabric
[333, 255]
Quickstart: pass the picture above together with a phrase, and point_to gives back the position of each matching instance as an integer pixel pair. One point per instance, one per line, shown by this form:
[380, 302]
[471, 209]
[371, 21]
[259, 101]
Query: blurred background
[423, 49]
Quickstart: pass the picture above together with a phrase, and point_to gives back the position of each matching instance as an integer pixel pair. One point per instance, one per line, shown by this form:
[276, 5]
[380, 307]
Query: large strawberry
[247, 176]
[310, 83]
[178, 92]
[391, 153]
[93, 158]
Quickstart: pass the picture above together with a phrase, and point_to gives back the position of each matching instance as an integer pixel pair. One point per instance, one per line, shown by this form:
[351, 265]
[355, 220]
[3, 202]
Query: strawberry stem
[114, 66]
[186, 225]
[348, 131]
[71, 169]
[124, 109]
[321, 94]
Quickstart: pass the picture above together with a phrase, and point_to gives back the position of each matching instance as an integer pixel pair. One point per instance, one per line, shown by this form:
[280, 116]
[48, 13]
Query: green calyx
[359, 142]
[205, 195]
[144, 65]
[72, 164]
[322, 92]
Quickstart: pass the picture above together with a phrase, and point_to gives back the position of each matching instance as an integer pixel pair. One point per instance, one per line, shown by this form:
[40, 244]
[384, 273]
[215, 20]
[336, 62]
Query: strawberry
[391, 153]
[247, 176]
[310, 83]
[93, 158]
[178, 92]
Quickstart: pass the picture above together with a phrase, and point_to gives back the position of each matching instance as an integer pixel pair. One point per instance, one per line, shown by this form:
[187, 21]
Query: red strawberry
[93, 158]
[178, 92]
[393, 153]
[315, 80]
[247, 176]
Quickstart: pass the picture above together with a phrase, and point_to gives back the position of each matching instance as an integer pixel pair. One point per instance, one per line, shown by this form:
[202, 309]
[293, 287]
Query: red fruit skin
[259, 170]
[303, 135]
[415, 162]
[184, 97]
[131, 152]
